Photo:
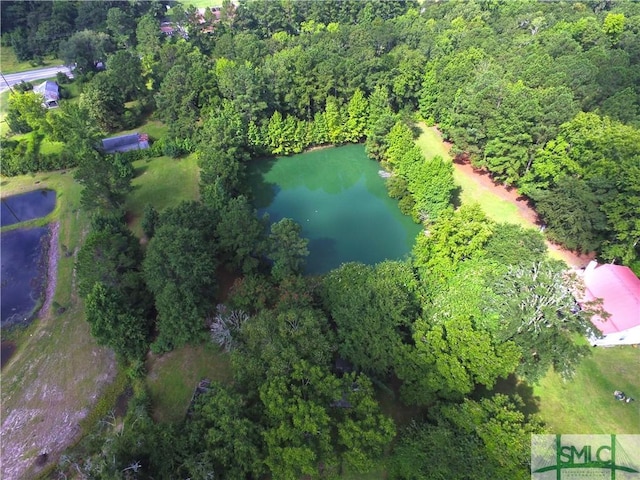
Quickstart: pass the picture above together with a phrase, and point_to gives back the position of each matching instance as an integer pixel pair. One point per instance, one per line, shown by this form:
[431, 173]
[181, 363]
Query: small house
[619, 289]
[50, 93]
[125, 143]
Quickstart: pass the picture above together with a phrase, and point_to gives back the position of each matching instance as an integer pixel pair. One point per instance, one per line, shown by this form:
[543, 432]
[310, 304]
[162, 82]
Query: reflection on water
[27, 206]
[341, 202]
[23, 273]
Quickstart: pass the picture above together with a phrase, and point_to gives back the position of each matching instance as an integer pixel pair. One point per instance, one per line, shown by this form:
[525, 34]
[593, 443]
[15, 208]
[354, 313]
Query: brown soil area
[510, 194]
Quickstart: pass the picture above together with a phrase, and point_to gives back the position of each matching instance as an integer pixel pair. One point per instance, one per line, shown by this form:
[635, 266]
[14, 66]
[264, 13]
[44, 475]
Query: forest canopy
[544, 96]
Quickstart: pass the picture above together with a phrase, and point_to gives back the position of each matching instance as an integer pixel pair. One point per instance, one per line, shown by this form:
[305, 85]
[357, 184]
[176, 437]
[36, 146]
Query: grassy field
[161, 182]
[173, 377]
[10, 64]
[586, 404]
[57, 371]
[202, 3]
[4, 103]
[493, 206]
[153, 128]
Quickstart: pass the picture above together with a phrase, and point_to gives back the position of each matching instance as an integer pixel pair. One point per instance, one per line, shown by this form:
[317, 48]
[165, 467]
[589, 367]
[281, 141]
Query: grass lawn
[153, 128]
[4, 104]
[10, 64]
[586, 403]
[493, 206]
[173, 377]
[162, 182]
[202, 3]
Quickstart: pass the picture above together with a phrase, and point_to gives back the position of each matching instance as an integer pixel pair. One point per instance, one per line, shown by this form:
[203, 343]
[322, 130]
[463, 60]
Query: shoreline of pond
[51, 270]
[46, 279]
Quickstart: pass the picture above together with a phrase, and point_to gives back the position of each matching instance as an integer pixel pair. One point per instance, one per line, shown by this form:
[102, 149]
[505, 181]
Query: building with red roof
[619, 289]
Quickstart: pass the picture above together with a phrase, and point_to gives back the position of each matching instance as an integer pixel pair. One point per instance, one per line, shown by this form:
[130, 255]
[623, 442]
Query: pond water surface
[23, 273]
[341, 202]
[27, 206]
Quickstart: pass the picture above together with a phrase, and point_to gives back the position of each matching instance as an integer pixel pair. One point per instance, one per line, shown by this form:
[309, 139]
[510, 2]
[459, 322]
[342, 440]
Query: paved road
[31, 76]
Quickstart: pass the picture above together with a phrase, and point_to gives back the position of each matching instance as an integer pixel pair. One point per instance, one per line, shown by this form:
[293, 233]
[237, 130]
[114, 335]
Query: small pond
[341, 202]
[23, 273]
[27, 206]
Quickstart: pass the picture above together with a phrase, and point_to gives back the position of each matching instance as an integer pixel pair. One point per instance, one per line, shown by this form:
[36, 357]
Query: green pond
[341, 202]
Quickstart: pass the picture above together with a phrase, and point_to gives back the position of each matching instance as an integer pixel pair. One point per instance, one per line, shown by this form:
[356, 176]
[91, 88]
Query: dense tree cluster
[37, 29]
[543, 95]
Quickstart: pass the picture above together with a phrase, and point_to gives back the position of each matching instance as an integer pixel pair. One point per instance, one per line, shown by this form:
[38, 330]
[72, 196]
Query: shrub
[62, 78]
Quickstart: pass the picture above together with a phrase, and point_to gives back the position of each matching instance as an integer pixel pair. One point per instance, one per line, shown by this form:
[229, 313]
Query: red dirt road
[510, 194]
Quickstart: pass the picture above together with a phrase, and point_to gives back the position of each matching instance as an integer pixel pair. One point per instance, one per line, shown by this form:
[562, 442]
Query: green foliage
[271, 343]
[179, 269]
[512, 244]
[490, 438]
[356, 123]
[125, 73]
[613, 26]
[335, 121]
[538, 311]
[121, 25]
[221, 436]
[106, 179]
[307, 409]
[572, 214]
[376, 144]
[150, 220]
[25, 112]
[453, 355]
[104, 99]
[586, 212]
[109, 278]
[110, 256]
[287, 249]
[85, 49]
[380, 299]
[454, 238]
[106, 402]
[126, 332]
[430, 183]
[185, 88]
[240, 235]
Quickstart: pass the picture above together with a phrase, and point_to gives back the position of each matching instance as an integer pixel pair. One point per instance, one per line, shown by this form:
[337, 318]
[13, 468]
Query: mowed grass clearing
[162, 182]
[586, 403]
[9, 63]
[173, 377]
[494, 207]
[154, 128]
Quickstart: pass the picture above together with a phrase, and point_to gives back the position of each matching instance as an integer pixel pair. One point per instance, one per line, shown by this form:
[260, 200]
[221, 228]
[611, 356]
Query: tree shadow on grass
[512, 385]
[138, 171]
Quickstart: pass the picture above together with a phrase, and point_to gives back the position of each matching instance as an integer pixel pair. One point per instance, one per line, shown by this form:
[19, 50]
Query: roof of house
[124, 143]
[48, 89]
[619, 288]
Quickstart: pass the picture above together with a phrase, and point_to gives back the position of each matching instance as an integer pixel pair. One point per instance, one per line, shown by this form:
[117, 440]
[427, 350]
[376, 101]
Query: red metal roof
[619, 288]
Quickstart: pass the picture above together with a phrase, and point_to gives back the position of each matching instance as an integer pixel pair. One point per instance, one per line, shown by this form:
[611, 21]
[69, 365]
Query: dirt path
[52, 271]
[510, 194]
